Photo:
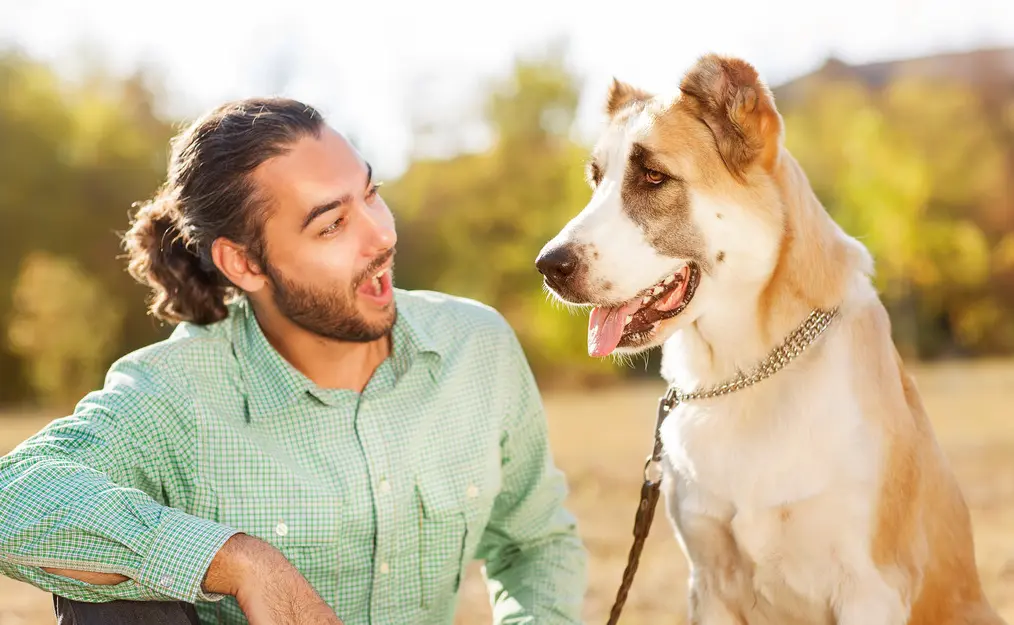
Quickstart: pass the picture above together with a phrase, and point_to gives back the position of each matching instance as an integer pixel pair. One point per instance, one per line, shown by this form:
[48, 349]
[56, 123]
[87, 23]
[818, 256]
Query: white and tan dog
[818, 495]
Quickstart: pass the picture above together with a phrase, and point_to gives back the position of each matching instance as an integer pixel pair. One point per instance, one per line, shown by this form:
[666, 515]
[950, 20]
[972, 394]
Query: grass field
[600, 438]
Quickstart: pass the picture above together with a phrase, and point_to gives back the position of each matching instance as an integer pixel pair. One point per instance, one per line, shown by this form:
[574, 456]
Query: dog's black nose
[558, 263]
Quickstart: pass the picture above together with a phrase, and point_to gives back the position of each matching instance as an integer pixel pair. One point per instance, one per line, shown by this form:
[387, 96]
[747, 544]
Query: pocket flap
[470, 490]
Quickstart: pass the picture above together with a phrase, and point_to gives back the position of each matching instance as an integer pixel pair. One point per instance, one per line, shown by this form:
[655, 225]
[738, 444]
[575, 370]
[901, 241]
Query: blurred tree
[74, 156]
[65, 326]
[913, 171]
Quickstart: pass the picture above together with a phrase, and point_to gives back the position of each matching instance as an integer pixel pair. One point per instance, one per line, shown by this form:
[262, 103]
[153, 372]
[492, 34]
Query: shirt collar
[274, 385]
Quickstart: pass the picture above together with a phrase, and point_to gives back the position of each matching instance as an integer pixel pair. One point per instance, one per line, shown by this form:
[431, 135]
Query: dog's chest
[788, 480]
[765, 449]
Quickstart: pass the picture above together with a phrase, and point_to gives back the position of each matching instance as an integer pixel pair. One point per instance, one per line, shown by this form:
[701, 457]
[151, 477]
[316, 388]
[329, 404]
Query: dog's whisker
[561, 304]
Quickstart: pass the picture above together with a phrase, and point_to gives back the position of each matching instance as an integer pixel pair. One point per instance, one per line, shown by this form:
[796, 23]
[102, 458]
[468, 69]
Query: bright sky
[360, 62]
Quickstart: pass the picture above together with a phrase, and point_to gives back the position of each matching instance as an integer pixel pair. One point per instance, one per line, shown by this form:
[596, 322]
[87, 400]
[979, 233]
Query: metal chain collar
[793, 345]
[805, 334]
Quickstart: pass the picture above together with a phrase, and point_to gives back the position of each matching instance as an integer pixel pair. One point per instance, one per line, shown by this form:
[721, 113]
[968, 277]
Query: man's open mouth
[634, 322]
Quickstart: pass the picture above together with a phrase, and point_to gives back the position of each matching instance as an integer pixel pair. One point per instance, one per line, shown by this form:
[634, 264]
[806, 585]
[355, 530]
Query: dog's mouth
[634, 323]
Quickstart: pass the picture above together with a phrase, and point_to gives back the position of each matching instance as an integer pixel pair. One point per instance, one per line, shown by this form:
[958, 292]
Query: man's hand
[270, 591]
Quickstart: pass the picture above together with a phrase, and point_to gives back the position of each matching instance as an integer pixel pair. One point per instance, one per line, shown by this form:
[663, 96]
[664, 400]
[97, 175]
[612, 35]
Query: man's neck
[327, 362]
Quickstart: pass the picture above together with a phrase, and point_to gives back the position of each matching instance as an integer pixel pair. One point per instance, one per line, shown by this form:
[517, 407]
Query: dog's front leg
[705, 603]
[702, 526]
[867, 599]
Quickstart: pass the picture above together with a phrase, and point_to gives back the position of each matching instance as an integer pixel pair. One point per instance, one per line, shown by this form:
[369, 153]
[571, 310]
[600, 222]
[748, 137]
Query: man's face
[329, 240]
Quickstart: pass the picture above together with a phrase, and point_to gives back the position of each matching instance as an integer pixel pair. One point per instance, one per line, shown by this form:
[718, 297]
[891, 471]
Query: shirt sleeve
[536, 564]
[91, 492]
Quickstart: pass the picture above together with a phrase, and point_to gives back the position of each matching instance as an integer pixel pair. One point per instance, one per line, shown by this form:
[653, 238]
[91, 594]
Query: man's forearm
[82, 500]
[244, 559]
[65, 523]
[268, 588]
[229, 570]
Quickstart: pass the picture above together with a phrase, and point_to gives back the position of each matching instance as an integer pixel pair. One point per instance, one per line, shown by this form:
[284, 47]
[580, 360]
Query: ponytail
[158, 256]
[208, 194]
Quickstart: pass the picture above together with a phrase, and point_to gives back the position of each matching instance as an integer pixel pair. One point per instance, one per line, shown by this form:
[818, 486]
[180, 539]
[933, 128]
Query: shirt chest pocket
[454, 508]
[305, 526]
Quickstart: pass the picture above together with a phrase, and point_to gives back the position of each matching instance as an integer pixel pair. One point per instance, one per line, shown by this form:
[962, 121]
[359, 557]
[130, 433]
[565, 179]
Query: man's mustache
[374, 266]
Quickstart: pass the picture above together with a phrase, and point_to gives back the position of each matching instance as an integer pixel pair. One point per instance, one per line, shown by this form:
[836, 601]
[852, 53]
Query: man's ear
[621, 95]
[727, 94]
[235, 263]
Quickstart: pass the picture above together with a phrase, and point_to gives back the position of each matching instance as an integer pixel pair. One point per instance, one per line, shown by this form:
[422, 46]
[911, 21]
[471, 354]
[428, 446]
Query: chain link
[794, 345]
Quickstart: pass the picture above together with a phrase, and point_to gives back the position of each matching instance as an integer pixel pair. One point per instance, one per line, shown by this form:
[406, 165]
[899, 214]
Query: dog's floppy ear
[621, 94]
[728, 95]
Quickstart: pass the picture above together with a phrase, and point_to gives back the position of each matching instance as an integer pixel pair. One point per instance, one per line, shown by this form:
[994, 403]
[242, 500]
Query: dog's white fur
[819, 495]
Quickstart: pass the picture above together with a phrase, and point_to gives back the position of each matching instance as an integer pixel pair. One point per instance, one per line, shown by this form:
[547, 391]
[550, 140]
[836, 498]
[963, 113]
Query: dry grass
[971, 410]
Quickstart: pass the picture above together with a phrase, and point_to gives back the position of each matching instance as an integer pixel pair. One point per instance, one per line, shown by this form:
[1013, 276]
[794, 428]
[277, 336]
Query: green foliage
[65, 326]
[917, 172]
[73, 158]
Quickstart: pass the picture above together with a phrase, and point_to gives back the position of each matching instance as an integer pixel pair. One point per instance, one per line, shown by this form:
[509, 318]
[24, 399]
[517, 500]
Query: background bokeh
[478, 118]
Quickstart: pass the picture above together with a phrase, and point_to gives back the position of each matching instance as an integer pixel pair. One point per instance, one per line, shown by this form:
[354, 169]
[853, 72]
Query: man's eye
[334, 227]
[372, 193]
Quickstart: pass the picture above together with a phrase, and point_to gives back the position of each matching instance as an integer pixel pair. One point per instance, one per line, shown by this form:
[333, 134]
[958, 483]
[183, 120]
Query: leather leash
[646, 507]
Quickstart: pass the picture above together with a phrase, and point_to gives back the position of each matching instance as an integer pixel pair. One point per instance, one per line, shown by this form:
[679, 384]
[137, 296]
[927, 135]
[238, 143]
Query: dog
[813, 491]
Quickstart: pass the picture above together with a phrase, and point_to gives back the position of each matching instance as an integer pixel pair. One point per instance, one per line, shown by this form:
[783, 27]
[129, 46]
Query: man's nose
[381, 231]
[557, 263]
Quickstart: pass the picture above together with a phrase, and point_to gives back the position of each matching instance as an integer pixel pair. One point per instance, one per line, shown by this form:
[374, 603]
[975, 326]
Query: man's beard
[328, 313]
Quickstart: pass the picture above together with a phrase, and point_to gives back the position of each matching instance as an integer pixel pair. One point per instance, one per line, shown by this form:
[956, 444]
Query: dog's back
[950, 592]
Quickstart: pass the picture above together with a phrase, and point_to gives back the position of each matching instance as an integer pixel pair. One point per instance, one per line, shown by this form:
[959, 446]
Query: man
[311, 445]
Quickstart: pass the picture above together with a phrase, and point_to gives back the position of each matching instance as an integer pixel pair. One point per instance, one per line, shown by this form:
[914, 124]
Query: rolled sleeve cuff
[181, 554]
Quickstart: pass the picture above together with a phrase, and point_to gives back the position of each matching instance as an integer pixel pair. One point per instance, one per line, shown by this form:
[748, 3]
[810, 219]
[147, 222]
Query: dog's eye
[654, 177]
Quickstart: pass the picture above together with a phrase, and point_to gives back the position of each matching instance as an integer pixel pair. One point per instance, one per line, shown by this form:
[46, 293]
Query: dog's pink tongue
[605, 326]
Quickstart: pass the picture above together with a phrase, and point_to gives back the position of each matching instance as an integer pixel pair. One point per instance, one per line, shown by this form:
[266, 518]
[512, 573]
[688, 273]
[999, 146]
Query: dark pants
[123, 613]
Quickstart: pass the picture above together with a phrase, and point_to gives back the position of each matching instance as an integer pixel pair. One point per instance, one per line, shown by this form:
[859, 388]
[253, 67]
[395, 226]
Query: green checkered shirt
[380, 499]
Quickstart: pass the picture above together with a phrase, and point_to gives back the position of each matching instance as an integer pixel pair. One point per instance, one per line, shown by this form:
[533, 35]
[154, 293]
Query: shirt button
[282, 529]
[166, 581]
[384, 568]
[385, 486]
[473, 491]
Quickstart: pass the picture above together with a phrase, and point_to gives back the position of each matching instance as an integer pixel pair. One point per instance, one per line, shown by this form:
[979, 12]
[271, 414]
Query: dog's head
[684, 208]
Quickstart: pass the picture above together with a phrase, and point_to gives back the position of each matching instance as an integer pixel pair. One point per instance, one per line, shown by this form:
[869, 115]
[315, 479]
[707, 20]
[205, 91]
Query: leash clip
[652, 471]
[670, 400]
[653, 463]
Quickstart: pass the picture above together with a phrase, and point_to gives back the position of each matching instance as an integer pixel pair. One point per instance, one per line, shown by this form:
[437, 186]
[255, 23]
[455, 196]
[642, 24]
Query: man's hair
[208, 194]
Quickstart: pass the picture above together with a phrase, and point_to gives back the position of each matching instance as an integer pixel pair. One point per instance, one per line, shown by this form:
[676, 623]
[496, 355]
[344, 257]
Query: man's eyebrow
[320, 209]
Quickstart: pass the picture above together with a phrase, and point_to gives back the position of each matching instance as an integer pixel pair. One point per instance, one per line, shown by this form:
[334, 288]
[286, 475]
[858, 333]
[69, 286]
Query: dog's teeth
[670, 279]
[628, 319]
[657, 290]
[646, 300]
